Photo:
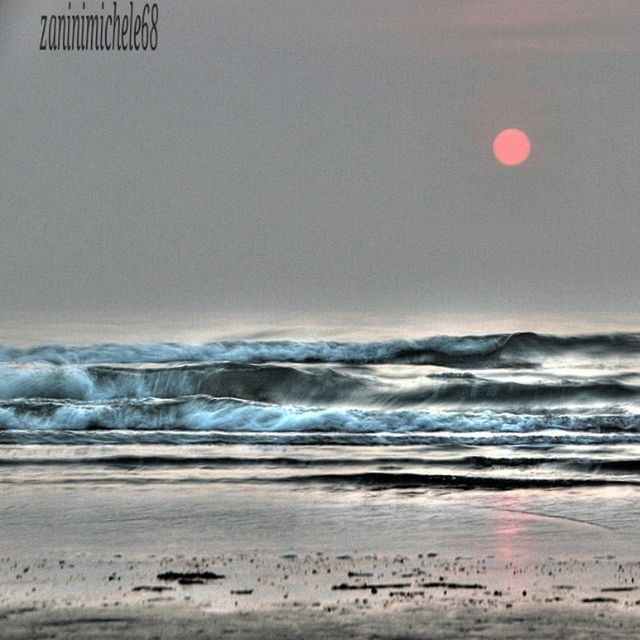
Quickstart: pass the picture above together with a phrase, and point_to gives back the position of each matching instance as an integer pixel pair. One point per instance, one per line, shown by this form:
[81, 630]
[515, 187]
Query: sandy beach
[320, 596]
[157, 561]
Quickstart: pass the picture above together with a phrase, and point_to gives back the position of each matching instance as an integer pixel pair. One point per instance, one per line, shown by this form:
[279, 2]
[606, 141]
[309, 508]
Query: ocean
[499, 411]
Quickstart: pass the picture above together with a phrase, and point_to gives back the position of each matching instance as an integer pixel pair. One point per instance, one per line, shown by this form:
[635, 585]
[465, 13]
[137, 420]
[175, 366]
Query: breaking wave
[561, 410]
[513, 349]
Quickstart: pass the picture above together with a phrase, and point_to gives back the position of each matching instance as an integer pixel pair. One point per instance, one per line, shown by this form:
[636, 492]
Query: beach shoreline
[163, 561]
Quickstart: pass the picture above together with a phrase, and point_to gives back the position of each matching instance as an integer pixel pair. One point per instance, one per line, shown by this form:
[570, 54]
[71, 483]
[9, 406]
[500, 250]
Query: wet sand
[82, 560]
[259, 595]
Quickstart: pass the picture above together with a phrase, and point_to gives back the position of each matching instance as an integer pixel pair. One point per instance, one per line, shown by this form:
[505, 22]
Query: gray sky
[328, 156]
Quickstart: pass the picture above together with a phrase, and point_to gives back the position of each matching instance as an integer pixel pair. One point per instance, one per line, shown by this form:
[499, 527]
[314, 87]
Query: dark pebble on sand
[599, 599]
[451, 585]
[352, 587]
[189, 575]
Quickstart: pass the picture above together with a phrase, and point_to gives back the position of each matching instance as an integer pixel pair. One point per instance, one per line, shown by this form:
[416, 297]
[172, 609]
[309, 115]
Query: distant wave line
[508, 349]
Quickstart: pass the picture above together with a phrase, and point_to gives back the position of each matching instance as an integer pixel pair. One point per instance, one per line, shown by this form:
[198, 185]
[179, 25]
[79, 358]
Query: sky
[328, 157]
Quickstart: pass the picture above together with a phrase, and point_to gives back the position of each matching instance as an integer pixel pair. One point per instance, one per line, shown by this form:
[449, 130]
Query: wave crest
[495, 350]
